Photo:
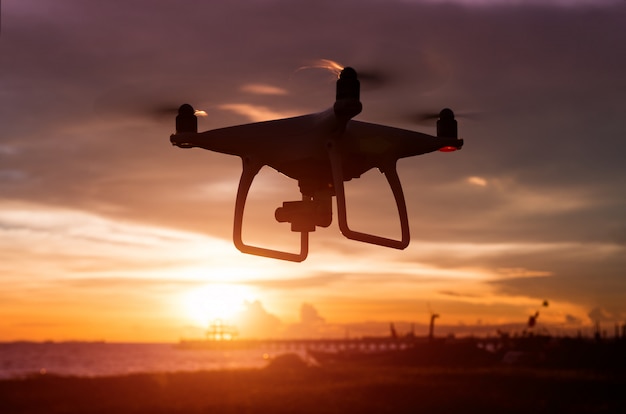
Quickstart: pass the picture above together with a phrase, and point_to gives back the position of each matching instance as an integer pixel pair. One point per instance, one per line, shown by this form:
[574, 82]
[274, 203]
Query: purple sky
[94, 200]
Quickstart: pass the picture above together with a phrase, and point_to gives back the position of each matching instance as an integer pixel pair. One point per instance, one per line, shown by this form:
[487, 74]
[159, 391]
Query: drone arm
[250, 170]
[394, 182]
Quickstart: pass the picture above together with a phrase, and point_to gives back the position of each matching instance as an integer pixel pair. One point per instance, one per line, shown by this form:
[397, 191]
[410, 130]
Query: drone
[321, 151]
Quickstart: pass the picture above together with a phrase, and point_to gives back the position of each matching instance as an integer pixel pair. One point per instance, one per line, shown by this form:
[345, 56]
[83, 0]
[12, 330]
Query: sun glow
[216, 302]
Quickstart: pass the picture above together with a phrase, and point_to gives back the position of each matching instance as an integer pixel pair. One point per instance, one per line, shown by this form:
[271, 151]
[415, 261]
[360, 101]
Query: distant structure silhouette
[431, 329]
[392, 329]
[532, 319]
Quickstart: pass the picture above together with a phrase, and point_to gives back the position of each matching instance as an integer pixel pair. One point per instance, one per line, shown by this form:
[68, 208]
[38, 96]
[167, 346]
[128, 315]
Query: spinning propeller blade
[369, 78]
[427, 117]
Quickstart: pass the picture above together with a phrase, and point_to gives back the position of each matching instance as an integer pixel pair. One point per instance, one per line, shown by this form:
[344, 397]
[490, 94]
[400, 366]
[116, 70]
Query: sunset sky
[109, 232]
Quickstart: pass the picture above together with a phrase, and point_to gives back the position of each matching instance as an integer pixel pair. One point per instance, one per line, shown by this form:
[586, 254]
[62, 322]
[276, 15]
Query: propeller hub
[446, 114]
[186, 121]
[348, 85]
[348, 73]
[446, 125]
[185, 110]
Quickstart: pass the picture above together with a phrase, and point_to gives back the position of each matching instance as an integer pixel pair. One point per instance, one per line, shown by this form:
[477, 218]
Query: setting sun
[215, 301]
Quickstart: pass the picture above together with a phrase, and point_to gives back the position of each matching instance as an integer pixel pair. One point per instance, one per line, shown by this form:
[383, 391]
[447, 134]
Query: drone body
[321, 151]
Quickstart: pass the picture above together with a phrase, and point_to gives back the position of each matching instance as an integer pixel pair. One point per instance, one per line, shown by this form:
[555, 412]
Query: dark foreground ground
[336, 389]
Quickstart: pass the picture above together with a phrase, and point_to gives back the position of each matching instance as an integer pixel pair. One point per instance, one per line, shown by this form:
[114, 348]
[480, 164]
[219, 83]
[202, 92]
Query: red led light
[448, 148]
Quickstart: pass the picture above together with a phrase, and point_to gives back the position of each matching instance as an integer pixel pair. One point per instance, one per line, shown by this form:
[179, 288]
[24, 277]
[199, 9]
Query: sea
[97, 359]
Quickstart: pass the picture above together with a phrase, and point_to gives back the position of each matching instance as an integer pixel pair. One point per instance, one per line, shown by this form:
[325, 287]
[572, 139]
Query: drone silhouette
[321, 151]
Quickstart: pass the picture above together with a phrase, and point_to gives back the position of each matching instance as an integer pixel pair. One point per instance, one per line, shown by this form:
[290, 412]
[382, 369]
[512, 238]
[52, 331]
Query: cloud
[255, 113]
[479, 181]
[572, 286]
[256, 322]
[456, 294]
[519, 272]
[299, 282]
[39, 243]
[263, 89]
[517, 3]
[129, 283]
[309, 315]
[525, 143]
[312, 325]
[572, 320]
[600, 314]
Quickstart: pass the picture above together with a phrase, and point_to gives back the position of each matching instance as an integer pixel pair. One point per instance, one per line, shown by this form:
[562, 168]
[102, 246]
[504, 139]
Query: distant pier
[361, 344]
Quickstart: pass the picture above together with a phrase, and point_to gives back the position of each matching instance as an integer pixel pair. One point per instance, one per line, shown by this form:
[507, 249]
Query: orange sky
[83, 276]
[108, 232]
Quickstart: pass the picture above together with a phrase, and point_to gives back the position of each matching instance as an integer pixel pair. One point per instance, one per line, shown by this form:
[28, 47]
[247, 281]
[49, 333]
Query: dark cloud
[600, 314]
[584, 287]
[457, 294]
[572, 320]
[537, 72]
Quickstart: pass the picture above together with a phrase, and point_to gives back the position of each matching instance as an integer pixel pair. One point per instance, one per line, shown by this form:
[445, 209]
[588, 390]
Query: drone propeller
[156, 103]
[426, 117]
[369, 78]
[187, 119]
[167, 111]
[163, 111]
[373, 78]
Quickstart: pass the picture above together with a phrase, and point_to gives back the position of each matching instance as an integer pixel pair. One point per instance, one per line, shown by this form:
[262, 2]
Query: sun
[216, 301]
